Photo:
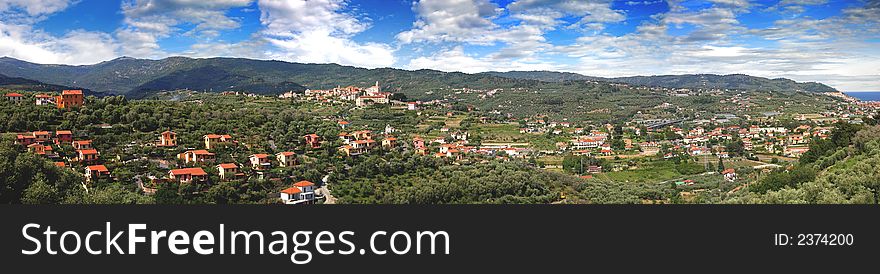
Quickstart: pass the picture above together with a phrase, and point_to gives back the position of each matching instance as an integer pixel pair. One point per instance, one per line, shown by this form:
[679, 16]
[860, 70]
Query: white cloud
[33, 8]
[455, 59]
[76, 47]
[18, 38]
[452, 20]
[318, 31]
[148, 21]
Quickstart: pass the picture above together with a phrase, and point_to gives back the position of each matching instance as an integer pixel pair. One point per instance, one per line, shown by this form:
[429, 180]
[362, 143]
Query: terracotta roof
[88, 151]
[82, 141]
[72, 92]
[41, 133]
[729, 170]
[202, 152]
[194, 171]
[304, 184]
[287, 153]
[60, 132]
[60, 164]
[260, 155]
[212, 136]
[228, 166]
[98, 168]
[13, 94]
[43, 96]
[291, 190]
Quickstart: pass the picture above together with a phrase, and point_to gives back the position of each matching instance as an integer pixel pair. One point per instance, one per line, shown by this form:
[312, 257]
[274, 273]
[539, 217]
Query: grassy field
[498, 132]
[652, 172]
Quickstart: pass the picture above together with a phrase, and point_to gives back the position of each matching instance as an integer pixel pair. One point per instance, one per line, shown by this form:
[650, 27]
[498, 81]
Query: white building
[301, 192]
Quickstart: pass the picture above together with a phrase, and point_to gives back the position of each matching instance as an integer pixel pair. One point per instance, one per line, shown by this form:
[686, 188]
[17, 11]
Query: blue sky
[836, 42]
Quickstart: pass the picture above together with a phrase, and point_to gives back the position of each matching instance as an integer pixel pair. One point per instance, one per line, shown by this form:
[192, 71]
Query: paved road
[328, 198]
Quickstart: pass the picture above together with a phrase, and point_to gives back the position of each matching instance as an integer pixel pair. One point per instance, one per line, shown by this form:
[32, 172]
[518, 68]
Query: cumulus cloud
[318, 31]
[148, 21]
[76, 47]
[452, 20]
[19, 39]
[456, 60]
[31, 9]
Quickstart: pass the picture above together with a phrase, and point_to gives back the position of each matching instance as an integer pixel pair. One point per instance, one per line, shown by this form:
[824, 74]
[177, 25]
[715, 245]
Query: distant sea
[866, 96]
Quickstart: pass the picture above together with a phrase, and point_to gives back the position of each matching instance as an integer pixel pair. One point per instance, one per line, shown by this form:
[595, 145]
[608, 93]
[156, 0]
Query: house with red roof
[25, 139]
[82, 144]
[300, 192]
[216, 140]
[93, 173]
[260, 161]
[167, 139]
[196, 156]
[87, 156]
[44, 100]
[286, 158]
[42, 136]
[14, 97]
[63, 136]
[389, 142]
[313, 140]
[729, 174]
[39, 149]
[358, 147]
[228, 171]
[70, 98]
[187, 175]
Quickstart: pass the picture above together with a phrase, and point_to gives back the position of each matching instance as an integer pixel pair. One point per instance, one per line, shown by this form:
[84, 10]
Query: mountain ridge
[143, 77]
[703, 80]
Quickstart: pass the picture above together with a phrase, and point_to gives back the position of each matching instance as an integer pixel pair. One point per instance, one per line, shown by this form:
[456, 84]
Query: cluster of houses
[42, 142]
[695, 141]
[361, 96]
[67, 99]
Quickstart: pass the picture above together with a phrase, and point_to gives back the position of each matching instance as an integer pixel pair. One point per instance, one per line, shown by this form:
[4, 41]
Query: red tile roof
[260, 155]
[88, 151]
[228, 166]
[98, 168]
[60, 164]
[304, 184]
[287, 153]
[194, 171]
[72, 92]
[202, 152]
[291, 190]
[63, 132]
[13, 94]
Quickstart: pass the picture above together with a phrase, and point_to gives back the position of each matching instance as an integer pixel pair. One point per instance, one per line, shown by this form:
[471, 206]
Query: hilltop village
[721, 150]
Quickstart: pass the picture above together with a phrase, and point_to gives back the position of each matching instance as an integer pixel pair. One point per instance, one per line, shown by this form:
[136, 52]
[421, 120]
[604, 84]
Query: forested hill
[141, 77]
[18, 83]
[732, 81]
